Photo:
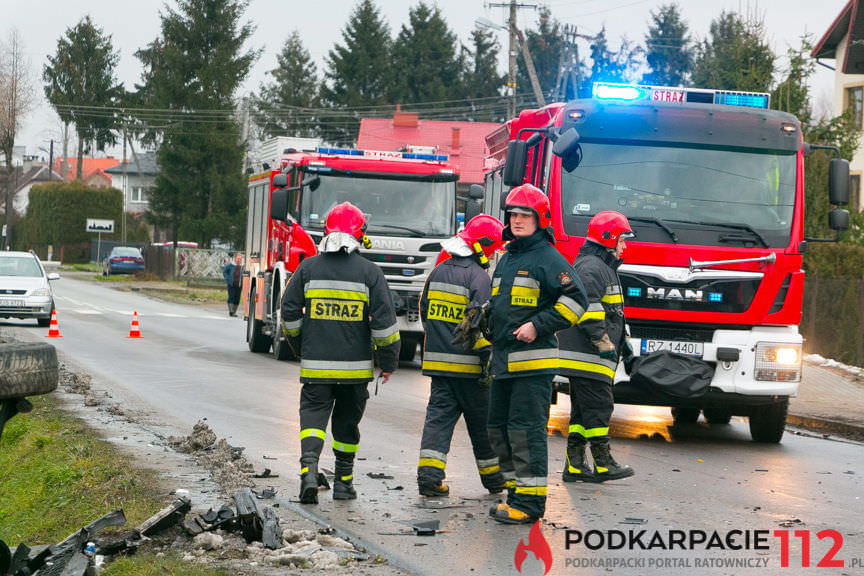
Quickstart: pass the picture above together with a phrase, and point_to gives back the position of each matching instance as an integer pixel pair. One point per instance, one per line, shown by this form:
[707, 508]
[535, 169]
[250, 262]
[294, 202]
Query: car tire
[768, 422]
[685, 415]
[27, 369]
[45, 322]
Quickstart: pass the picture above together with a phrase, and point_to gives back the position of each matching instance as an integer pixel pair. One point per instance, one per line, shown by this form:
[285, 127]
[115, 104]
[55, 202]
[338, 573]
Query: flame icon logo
[536, 544]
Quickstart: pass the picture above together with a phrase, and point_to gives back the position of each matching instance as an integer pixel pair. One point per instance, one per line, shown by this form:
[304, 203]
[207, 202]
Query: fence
[189, 264]
[833, 318]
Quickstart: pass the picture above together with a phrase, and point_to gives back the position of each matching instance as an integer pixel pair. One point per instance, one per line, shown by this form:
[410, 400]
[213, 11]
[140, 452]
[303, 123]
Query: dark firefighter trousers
[449, 399]
[591, 404]
[518, 415]
[346, 403]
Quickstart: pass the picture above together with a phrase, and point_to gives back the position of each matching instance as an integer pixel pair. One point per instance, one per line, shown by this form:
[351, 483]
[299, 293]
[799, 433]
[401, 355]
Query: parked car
[25, 289]
[123, 260]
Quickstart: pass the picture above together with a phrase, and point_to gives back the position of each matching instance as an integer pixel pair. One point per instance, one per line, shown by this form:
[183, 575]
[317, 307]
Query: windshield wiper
[411, 231]
[732, 237]
[659, 223]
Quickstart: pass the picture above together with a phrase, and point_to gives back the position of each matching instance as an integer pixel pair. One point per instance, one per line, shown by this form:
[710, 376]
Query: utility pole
[124, 181]
[511, 74]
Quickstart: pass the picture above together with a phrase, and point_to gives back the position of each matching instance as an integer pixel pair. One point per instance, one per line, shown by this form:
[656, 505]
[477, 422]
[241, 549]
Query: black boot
[494, 482]
[576, 467]
[309, 484]
[343, 485]
[605, 466]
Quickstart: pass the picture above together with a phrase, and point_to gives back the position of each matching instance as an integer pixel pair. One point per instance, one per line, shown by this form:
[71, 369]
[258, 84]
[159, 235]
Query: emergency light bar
[634, 93]
[382, 154]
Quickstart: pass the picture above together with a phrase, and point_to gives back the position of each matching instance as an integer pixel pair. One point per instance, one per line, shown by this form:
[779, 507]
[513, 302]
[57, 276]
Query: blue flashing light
[742, 99]
[618, 92]
[715, 296]
[342, 151]
[634, 292]
[433, 157]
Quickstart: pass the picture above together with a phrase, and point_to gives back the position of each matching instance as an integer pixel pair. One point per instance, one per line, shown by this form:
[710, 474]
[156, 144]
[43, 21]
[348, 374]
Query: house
[29, 175]
[93, 170]
[134, 179]
[843, 42]
[463, 142]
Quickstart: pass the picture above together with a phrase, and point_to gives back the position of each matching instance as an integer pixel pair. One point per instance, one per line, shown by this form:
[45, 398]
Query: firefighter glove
[627, 356]
[468, 331]
[605, 348]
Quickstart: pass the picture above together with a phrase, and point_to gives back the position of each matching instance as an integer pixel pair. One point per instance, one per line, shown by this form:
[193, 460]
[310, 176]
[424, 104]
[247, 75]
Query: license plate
[689, 348]
[12, 303]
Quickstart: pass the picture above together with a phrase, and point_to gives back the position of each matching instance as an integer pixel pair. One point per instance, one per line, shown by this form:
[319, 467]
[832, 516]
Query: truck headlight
[778, 362]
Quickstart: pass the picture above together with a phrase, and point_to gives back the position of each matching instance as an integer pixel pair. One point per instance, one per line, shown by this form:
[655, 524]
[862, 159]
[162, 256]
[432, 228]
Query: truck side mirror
[476, 192]
[313, 183]
[514, 163]
[280, 180]
[838, 219]
[279, 204]
[566, 143]
[472, 209]
[838, 182]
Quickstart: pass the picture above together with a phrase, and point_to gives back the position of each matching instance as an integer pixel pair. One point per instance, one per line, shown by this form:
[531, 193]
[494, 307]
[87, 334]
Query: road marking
[88, 311]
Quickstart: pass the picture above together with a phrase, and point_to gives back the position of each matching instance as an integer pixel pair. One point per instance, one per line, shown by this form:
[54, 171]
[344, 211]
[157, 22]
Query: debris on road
[229, 468]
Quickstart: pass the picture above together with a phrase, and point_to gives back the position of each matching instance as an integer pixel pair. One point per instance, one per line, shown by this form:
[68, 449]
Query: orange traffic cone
[135, 330]
[54, 327]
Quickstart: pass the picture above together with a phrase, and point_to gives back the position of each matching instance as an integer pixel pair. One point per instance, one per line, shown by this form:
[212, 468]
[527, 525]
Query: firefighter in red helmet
[339, 305]
[590, 351]
[452, 298]
[535, 293]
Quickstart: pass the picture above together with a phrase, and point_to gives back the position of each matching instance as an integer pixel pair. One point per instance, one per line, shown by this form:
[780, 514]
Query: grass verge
[57, 475]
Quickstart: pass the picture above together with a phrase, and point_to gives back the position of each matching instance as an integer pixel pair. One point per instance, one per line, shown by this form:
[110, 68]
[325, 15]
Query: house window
[139, 194]
[855, 102]
[855, 193]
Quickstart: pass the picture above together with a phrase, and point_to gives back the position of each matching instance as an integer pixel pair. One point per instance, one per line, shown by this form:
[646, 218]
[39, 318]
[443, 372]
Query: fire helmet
[483, 235]
[348, 219]
[606, 227]
[528, 199]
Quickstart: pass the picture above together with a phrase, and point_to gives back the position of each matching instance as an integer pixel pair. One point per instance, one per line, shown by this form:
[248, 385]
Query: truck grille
[393, 258]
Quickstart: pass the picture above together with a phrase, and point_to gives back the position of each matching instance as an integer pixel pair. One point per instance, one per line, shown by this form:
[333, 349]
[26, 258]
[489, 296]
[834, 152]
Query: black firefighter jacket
[532, 282]
[340, 306]
[454, 286]
[605, 314]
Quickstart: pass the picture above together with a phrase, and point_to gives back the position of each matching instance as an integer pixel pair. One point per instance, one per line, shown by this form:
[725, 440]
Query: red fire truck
[409, 199]
[713, 185]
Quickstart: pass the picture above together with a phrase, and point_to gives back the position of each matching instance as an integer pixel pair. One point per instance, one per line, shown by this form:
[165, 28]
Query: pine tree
[608, 65]
[545, 45]
[283, 105]
[425, 60]
[80, 77]
[481, 78]
[192, 72]
[668, 48]
[736, 56]
[357, 73]
[792, 93]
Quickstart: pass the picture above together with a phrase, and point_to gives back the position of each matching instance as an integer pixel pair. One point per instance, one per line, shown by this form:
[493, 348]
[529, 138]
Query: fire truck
[712, 183]
[409, 198]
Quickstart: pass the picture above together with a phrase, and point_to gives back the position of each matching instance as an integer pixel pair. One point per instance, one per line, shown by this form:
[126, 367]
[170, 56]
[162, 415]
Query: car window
[24, 267]
[128, 252]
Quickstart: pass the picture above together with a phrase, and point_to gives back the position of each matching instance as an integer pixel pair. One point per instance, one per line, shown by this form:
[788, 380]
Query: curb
[855, 431]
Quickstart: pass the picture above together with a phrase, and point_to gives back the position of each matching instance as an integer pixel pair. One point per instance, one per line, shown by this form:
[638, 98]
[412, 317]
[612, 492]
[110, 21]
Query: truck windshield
[704, 196]
[392, 207]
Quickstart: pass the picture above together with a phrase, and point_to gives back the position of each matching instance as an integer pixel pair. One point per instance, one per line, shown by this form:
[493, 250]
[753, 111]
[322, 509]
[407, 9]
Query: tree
[192, 72]
[79, 78]
[16, 99]
[358, 73]
[668, 48]
[283, 106]
[481, 78]
[736, 56]
[545, 44]
[426, 63]
[608, 65]
[792, 93]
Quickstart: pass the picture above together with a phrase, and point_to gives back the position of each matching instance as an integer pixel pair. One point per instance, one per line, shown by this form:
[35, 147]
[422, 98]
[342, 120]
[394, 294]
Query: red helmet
[483, 235]
[528, 199]
[606, 227]
[346, 218]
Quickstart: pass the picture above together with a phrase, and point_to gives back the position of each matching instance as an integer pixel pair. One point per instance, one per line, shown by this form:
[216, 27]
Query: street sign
[94, 225]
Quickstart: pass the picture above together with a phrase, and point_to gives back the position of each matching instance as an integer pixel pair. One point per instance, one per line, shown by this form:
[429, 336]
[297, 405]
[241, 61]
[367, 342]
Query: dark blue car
[123, 260]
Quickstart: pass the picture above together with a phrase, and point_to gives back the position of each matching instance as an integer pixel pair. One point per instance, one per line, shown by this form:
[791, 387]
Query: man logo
[536, 544]
[685, 295]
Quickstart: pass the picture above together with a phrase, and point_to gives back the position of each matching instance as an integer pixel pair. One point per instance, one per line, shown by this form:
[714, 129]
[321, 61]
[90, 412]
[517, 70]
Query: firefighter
[535, 293]
[451, 303]
[590, 351]
[339, 305]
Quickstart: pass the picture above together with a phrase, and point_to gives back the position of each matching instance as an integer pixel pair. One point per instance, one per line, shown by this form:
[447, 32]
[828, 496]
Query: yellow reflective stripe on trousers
[431, 462]
[432, 458]
[531, 490]
[494, 290]
[317, 433]
[333, 369]
[343, 447]
[489, 470]
[294, 327]
[588, 432]
[385, 336]
[539, 359]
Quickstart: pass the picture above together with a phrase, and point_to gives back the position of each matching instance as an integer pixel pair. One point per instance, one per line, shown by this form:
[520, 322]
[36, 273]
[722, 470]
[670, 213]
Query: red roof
[404, 129]
[90, 167]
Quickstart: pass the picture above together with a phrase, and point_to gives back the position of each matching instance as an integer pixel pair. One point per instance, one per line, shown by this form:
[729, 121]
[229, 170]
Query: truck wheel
[256, 339]
[281, 349]
[408, 349]
[27, 369]
[768, 422]
[685, 415]
[717, 415]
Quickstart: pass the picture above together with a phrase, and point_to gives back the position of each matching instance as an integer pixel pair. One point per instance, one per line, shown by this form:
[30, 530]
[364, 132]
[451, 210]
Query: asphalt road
[192, 362]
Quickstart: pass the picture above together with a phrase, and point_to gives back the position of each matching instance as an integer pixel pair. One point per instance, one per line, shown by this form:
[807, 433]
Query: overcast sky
[133, 24]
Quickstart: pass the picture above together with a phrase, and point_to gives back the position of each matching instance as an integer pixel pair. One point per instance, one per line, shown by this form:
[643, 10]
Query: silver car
[25, 291]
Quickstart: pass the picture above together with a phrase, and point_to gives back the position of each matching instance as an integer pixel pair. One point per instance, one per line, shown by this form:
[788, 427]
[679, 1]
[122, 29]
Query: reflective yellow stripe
[587, 367]
[349, 374]
[531, 490]
[341, 294]
[304, 470]
[523, 365]
[489, 470]
[447, 297]
[523, 296]
[293, 332]
[307, 432]
[342, 447]
[613, 299]
[452, 367]
[494, 290]
[432, 462]
[482, 343]
[347, 478]
[567, 313]
[600, 469]
[387, 340]
[592, 316]
[589, 432]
